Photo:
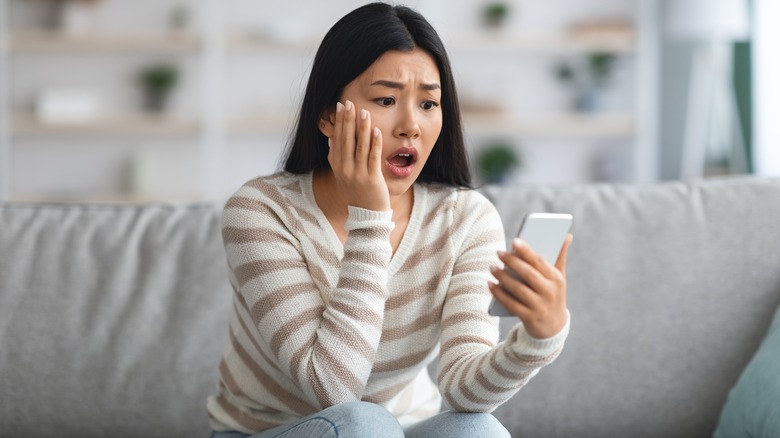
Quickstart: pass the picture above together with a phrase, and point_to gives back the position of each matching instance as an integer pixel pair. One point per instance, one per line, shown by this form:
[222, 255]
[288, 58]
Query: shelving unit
[564, 124]
[121, 128]
[139, 124]
[42, 41]
[216, 124]
[627, 131]
[619, 43]
[553, 126]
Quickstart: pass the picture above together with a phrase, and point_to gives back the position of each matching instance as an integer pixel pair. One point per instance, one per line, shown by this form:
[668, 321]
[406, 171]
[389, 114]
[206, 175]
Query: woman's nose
[407, 125]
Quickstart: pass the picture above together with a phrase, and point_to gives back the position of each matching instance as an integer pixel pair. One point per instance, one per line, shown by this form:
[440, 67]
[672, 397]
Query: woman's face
[402, 92]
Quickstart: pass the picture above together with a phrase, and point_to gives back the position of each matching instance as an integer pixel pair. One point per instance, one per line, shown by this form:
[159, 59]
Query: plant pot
[589, 100]
[496, 163]
[155, 101]
[498, 177]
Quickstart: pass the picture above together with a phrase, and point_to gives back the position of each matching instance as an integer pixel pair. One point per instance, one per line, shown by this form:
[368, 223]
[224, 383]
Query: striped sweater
[316, 323]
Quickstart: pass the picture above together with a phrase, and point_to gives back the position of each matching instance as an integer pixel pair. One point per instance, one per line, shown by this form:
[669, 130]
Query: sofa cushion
[753, 406]
[112, 319]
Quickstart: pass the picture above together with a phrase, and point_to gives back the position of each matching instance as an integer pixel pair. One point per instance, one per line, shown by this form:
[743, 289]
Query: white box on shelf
[67, 106]
[78, 17]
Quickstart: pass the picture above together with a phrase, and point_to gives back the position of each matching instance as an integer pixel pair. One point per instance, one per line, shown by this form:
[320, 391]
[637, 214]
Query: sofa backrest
[671, 287]
[112, 319]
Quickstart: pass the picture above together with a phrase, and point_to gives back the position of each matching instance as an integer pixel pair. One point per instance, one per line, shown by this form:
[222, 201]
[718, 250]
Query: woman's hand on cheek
[539, 300]
[356, 159]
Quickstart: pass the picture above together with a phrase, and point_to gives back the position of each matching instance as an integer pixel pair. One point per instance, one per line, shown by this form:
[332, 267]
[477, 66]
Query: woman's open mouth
[401, 163]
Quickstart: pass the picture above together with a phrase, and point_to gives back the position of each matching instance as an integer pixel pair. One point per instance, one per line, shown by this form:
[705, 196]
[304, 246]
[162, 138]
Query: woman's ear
[327, 121]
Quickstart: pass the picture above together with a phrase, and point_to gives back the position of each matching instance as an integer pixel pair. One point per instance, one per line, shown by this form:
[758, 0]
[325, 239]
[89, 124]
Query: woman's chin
[398, 187]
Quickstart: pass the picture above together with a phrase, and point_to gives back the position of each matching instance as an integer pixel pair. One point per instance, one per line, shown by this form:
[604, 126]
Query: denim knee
[480, 425]
[490, 423]
[459, 424]
[361, 418]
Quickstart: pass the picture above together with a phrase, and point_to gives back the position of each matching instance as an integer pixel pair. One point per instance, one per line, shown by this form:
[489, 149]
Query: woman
[368, 258]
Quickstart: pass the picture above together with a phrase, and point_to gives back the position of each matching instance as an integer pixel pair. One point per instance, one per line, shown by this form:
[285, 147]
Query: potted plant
[494, 14]
[179, 17]
[496, 162]
[157, 82]
[588, 79]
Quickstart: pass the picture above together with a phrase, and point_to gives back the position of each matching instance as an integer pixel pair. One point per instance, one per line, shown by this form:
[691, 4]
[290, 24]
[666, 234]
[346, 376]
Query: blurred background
[181, 100]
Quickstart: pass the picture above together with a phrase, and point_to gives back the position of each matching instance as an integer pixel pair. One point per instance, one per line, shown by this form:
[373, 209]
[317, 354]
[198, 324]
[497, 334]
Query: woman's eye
[386, 101]
[429, 105]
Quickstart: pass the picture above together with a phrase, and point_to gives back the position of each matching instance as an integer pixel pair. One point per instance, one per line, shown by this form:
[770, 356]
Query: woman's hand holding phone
[356, 159]
[539, 297]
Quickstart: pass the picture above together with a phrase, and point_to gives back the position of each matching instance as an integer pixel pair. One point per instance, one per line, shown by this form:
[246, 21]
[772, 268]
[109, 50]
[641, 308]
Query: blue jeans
[369, 420]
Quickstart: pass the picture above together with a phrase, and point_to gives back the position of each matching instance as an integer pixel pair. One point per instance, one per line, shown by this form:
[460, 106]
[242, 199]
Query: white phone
[545, 233]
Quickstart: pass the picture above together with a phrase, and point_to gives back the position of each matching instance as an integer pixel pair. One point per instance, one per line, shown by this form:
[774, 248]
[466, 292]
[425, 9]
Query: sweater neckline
[406, 246]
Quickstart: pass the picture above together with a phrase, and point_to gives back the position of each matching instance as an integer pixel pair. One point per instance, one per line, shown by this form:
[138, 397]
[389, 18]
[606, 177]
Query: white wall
[766, 88]
[5, 152]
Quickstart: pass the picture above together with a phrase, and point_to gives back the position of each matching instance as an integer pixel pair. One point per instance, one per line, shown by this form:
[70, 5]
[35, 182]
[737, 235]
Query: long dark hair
[347, 50]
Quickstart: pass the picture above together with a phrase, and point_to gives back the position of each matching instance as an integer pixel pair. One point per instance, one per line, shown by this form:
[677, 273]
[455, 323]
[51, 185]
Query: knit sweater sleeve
[323, 341]
[475, 373]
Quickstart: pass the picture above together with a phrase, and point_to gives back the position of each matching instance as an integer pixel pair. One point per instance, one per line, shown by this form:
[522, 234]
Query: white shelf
[595, 126]
[147, 42]
[484, 42]
[125, 125]
[622, 43]
[246, 42]
[254, 124]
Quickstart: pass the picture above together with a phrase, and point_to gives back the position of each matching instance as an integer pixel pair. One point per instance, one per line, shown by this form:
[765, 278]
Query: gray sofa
[113, 318]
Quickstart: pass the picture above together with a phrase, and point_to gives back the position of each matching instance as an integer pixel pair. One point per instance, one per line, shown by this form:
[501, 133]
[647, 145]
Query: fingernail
[363, 114]
[517, 242]
[376, 132]
[339, 107]
[348, 105]
[501, 253]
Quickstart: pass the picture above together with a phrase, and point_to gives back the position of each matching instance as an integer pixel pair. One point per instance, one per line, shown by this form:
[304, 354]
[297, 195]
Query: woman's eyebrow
[392, 84]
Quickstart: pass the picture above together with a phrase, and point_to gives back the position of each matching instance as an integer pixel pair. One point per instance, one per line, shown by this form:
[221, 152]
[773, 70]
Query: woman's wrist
[359, 214]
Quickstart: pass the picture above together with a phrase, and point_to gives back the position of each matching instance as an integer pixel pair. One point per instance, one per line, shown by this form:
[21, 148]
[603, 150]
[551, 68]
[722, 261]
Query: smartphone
[545, 233]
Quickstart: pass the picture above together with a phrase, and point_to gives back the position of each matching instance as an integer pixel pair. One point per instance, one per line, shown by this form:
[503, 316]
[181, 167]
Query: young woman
[369, 257]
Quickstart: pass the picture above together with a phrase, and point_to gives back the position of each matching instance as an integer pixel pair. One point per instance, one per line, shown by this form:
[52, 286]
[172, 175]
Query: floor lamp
[713, 131]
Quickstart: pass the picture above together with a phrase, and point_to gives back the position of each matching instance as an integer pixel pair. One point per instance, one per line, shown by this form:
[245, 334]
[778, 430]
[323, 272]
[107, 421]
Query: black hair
[354, 43]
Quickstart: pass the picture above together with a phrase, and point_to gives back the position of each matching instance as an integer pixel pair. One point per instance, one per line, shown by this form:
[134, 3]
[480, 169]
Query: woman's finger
[561, 262]
[515, 288]
[335, 153]
[511, 304]
[522, 270]
[348, 138]
[375, 155]
[533, 258]
[363, 145]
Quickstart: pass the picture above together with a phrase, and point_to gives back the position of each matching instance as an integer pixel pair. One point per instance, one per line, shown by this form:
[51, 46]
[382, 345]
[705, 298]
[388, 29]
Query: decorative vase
[589, 100]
